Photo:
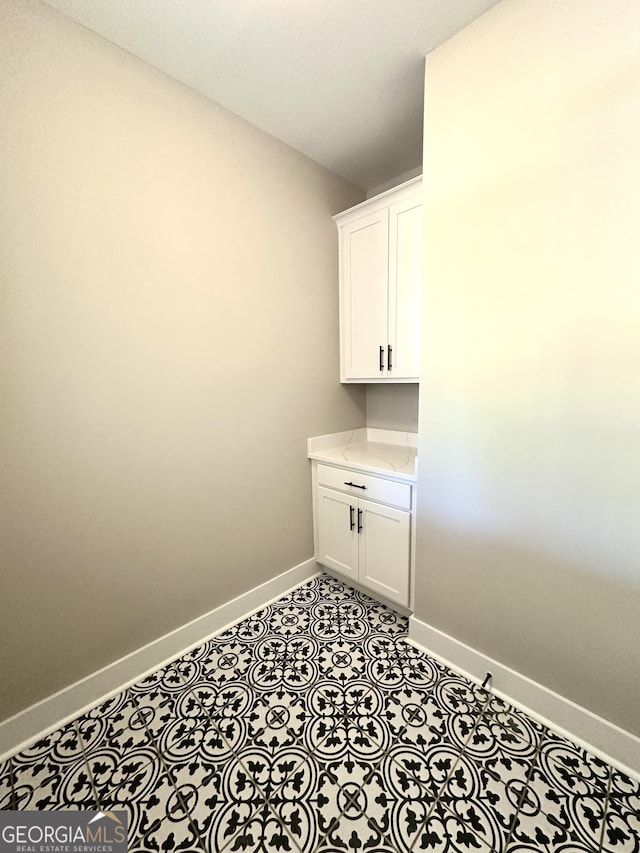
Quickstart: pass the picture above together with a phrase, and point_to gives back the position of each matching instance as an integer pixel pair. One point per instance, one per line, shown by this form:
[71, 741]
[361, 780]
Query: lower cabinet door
[337, 531]
[384, 550]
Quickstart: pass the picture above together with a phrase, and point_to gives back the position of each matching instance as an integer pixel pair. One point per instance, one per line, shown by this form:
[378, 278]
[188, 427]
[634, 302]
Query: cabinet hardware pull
[355, 486]
[389, 351]
[351, 522]
[381, 359]
[359, 520]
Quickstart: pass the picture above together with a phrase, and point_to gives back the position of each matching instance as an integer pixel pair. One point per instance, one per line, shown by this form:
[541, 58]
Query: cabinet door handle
[355, 486]
[381, 359]
[389, 351]
[359, 520]
[351, 522]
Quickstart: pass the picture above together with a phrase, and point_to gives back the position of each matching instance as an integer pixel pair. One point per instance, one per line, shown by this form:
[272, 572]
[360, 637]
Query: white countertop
[377, 451]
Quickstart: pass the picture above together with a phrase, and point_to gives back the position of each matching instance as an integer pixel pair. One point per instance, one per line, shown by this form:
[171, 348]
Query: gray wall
[169, 340]
[529, 498]
[393, 407]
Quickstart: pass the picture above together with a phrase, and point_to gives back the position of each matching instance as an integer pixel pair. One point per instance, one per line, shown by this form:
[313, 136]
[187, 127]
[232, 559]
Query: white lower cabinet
[337, 540]
[383, 553]
[366, 540]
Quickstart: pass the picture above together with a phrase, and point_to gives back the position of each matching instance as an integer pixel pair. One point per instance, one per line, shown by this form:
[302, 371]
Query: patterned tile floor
[314, 726]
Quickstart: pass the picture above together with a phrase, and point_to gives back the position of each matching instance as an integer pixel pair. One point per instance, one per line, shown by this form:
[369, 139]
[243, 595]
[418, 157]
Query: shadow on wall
[533, 612]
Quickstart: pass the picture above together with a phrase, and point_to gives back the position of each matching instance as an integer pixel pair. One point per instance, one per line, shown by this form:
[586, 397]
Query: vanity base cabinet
[365, 540]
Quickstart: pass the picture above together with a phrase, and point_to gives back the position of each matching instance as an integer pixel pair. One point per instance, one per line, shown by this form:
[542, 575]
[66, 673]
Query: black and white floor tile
[314, 727]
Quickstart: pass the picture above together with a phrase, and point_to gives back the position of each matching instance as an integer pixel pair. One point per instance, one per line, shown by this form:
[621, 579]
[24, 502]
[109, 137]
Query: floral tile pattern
[313, 726]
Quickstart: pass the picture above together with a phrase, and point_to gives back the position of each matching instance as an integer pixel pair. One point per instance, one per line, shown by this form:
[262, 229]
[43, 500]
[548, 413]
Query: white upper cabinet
[364, 288]
[380, 244]
[405, 278]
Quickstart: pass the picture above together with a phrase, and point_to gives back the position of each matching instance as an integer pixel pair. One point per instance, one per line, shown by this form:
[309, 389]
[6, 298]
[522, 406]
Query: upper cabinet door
[364, 262]
[380, 243]
[405, 278]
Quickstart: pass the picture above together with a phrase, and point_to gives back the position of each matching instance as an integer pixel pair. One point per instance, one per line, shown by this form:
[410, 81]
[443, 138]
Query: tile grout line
[303, 606]
[334, 728]
[480, 713]
[208, 721]
[374, 769]
[153, 745]
[156, 745]
[449, 775]
[299, 743]
[523, 794]
[234, 752]
[313, 757]
[605, 811]
[484, 713]
[14, 797]
[535, 763]
[86, 762]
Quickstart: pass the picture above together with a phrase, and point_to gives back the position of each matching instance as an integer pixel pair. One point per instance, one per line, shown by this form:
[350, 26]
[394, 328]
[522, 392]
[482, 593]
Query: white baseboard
[604, 739]
[45, 716]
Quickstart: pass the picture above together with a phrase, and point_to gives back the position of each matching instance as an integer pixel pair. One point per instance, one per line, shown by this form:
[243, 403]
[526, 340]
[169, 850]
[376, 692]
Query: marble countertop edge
[383, 452]
[360, 434]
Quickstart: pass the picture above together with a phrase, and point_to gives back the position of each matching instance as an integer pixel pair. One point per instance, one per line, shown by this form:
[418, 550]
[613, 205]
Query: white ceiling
[339, 80]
